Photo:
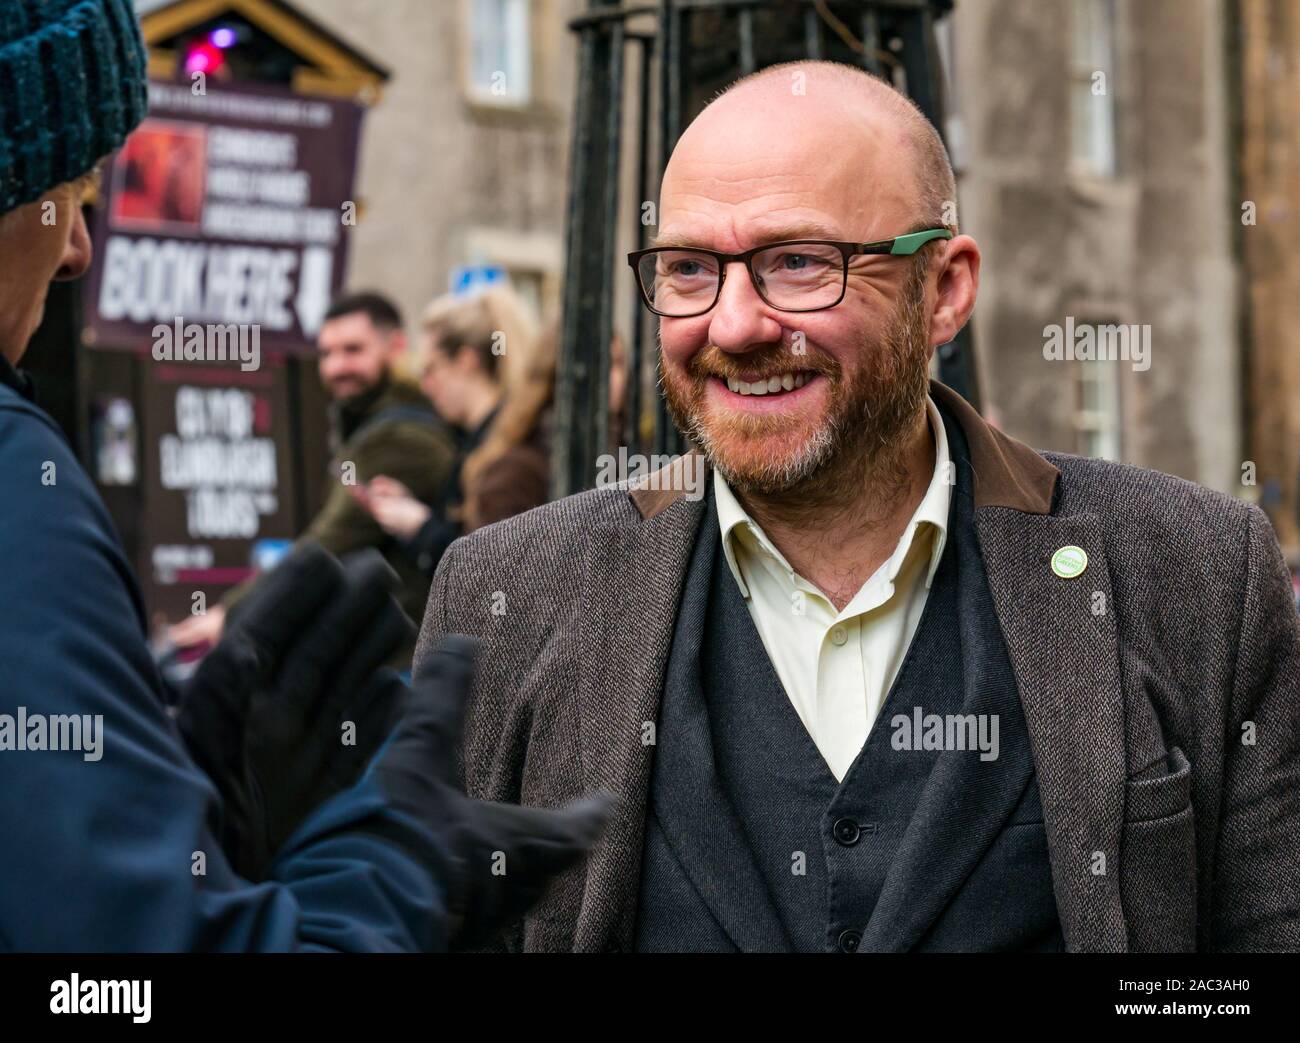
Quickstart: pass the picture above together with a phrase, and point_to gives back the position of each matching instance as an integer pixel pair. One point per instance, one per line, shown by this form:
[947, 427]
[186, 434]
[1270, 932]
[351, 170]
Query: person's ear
[958, 283]
[397, 344]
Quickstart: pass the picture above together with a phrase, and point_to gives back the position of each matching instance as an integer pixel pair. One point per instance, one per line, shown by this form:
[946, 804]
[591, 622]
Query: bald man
[887, 679]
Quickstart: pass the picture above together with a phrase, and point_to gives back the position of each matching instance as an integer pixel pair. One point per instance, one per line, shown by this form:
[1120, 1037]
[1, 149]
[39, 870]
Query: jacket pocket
[1158, 861]
[1161, 797]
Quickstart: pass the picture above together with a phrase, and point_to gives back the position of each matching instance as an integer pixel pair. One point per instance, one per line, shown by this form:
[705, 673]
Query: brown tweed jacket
[1161, 689]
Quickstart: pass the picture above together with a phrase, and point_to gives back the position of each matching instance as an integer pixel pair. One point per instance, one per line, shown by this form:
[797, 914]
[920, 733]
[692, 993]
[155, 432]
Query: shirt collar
[934, 505]
[732, 515]
[932, 510]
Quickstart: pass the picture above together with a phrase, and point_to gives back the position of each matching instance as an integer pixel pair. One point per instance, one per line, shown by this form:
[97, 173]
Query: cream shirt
[837, 667]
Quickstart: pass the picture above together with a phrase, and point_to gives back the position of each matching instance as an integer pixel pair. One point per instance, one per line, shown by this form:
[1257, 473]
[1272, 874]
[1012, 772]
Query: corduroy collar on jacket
[1007, 473]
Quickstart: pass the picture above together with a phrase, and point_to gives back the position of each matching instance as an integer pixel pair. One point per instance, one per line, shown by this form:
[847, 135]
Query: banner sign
[227, 208]
[216, 477]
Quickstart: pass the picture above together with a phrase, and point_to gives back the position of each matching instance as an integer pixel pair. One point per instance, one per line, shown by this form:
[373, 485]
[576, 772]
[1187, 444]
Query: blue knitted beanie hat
[72, 87]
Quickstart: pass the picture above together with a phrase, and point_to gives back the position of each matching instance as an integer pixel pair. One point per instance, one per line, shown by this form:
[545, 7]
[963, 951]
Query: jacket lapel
[1060, 634]
[631, 580]
[697, 818]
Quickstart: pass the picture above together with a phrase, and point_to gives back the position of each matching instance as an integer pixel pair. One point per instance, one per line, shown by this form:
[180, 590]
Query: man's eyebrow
[662, 239]
[759, 236]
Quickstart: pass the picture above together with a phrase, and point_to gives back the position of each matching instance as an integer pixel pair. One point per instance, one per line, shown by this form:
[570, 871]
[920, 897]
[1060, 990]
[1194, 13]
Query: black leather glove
[292, 703]
[499, 857]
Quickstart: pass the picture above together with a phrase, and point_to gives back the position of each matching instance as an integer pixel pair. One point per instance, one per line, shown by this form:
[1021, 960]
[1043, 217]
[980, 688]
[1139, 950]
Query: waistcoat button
[849, 941]
[846, 831]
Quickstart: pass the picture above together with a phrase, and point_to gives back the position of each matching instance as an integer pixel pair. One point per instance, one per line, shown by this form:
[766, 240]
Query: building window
[1097, 418]
[500, 59]
[1092, 91]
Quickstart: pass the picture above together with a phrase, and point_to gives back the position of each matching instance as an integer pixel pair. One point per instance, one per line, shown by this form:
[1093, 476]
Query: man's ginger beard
[859, 441]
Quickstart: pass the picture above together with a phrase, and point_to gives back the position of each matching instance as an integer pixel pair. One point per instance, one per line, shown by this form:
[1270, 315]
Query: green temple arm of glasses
[909, 244]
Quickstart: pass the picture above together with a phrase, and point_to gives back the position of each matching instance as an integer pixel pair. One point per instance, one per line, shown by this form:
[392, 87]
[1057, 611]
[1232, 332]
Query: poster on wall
[217, 479]
[229, 206]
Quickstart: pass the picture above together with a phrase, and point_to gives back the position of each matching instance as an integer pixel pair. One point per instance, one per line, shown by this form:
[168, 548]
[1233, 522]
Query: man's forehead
[768, 228]
[750, 177]
[716, 220]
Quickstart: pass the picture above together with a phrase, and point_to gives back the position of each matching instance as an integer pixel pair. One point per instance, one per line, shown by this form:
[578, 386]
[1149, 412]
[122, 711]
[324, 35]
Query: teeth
[770, 386]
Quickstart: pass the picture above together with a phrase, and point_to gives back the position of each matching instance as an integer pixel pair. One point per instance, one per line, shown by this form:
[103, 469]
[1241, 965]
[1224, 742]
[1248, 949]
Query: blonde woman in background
[490, 374]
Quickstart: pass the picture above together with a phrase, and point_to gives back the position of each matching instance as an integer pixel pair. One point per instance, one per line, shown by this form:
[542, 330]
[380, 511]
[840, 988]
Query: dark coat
[101, 855]
[1161, 689]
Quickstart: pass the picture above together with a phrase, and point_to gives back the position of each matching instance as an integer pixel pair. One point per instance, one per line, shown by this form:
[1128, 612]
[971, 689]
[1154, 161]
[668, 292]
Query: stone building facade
[464, 157]
[1096, 169]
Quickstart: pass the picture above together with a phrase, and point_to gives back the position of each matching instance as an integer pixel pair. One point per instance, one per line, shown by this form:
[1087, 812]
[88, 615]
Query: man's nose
[77, 252]
[740, 319]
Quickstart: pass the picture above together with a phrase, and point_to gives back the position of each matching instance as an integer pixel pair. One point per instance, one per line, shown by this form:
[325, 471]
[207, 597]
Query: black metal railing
[682, 52]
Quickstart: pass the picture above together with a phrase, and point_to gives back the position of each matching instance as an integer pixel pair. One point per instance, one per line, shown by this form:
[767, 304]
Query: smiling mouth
[774, 385]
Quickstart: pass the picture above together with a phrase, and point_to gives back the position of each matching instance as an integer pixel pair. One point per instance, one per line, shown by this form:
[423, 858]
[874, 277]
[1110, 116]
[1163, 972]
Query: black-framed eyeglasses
[793, 275]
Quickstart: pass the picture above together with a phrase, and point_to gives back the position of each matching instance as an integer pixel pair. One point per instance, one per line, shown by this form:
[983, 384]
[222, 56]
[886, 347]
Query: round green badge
[1069, 562]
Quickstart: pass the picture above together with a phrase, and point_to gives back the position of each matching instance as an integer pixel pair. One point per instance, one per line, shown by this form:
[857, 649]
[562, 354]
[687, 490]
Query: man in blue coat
[110, 835]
